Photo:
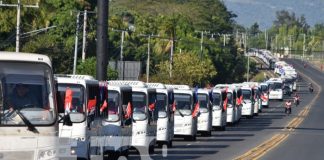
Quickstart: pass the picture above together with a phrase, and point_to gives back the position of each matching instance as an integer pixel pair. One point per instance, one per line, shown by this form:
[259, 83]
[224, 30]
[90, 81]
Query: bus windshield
[216, 99]
[161, 101]
[203, 100]
[264, 88]
[275, 86]
[77, 97]
[139, 105]
[183, 103]
[230, 98]
[246, 94]
[113, 103]
[26, 88]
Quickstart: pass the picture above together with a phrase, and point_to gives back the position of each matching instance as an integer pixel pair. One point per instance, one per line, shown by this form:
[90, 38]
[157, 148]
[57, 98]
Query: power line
[18, 5]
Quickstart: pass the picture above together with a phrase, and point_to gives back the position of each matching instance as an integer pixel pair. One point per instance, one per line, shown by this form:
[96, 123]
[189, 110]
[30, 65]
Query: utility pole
[84, 35]
[289, 45]
[149, 36]
[18, 6]
[201, 41]
[266, 38]
[148, 59]
[276, 43]
[122, 50]
[171, 57]
[224, 40]
[304, 48]
[248, 67]
[76, 44]
[102, 40]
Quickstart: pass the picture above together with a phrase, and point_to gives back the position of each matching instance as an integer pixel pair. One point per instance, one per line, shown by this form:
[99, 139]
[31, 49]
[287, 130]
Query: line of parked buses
[93, 118]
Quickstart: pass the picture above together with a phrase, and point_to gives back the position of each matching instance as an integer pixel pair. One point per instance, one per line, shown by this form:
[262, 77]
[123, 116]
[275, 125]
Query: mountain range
[264, 11]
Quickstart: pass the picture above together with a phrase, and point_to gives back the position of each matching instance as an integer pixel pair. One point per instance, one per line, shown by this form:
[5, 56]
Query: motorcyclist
[311, 89]
[296, 99]
[288, 107]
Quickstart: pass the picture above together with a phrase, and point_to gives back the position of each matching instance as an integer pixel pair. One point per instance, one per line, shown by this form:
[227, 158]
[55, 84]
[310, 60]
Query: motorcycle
[296, 101]
[311, 89]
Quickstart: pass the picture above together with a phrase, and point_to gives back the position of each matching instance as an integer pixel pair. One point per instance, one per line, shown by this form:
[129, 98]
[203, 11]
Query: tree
[88, 67]
[187, 69]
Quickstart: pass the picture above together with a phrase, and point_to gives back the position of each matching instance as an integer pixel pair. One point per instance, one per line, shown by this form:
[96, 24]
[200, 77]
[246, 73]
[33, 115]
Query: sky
[264, 11]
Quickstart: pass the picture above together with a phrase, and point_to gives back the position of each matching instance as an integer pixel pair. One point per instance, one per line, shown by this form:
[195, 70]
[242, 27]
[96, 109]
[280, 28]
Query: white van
[219, 111]
[144, 115]
[83, 89]
[275, 88]
[232, 111]
[256, 96]
[164, 105]
[185, 124]
[116, 129]
[205, 117]
[248, 101]
[29, 128]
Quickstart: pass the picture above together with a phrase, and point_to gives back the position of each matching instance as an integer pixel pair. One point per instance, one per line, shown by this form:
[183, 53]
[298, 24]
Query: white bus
[219, 111]
[164, 105]
[29, 128]
[248, 101]
[84, 91]
[233, 110]
[256, 96]
[264, 95]
[144, 119]
[275, 88]
[185, 124]
[116, 128]
[204, 123]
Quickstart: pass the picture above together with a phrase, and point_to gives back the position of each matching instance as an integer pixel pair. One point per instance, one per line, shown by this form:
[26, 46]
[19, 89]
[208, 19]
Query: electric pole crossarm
[18, 6]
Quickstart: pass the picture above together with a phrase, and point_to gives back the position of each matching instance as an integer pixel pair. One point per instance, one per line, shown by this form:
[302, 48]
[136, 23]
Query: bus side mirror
[67, 120]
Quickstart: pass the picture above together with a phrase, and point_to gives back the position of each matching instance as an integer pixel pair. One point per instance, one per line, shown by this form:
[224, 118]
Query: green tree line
[289, 33]
[178, 25]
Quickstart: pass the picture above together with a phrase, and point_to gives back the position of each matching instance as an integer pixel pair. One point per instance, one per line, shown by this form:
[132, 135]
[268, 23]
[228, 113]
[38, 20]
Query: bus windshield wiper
[30, 126]
[181, 114]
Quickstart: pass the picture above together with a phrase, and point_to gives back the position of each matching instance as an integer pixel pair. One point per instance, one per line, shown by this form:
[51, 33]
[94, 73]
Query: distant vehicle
[264, 95]
[185, 118]
[29, 128]
[219, 100]
[275, 88]
[144, 115]
[83, 92]
[205, 117]
[166, 108]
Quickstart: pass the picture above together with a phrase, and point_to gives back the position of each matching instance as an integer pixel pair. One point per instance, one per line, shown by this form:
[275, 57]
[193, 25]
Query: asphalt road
[307, 141]
[249, 133]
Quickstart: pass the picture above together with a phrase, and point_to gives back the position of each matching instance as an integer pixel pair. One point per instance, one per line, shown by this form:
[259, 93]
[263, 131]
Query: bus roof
[175, 86]
[24, 57]
[156, 85]
[138, 84]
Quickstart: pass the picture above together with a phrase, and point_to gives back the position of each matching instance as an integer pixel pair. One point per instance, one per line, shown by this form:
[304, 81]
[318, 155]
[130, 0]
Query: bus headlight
[47, 154]
[73, 150]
